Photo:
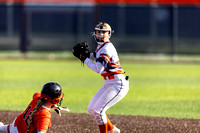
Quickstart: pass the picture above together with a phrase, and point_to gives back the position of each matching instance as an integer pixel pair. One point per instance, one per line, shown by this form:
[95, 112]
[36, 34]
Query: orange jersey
[41, 119]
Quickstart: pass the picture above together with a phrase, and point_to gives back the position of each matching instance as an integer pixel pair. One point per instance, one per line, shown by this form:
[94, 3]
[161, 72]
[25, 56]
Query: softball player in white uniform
[116, 85]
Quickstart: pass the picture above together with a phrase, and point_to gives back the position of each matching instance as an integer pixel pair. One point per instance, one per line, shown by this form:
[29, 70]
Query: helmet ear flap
[54, 101]
[58, 100]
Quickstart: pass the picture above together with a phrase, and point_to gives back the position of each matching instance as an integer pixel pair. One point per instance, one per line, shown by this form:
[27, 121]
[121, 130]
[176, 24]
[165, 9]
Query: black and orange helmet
[52, 92]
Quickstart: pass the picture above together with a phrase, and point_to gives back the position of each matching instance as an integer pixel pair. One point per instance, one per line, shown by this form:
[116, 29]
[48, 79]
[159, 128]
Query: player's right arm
[93, 56]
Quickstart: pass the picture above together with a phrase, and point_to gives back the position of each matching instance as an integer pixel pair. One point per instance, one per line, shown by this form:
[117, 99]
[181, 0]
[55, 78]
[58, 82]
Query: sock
[103, 128]
[109, 124]
[4, 129]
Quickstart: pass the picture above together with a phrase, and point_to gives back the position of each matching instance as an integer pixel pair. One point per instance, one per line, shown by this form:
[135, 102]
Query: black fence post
[24, 30]
[175, 32]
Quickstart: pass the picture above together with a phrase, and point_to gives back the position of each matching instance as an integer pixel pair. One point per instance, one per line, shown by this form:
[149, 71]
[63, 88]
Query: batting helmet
[102, 26]
[52, 92]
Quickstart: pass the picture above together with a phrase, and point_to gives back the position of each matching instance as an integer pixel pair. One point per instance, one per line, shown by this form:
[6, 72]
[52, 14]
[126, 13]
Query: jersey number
[26, 118]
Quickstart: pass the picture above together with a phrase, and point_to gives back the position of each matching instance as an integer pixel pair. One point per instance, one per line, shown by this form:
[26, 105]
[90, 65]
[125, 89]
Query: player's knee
[92, 111]
[100, 118]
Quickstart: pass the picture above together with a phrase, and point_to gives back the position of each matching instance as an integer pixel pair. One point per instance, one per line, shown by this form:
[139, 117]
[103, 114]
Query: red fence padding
[182, 2]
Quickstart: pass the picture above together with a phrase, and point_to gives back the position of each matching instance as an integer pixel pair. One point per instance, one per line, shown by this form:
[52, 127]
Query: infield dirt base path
[83, 123]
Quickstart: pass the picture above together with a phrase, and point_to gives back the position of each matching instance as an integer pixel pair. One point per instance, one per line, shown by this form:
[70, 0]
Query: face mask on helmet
[52, 92]
[102, 32]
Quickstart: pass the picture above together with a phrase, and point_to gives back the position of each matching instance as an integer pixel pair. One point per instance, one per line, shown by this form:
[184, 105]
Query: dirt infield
[83, 123]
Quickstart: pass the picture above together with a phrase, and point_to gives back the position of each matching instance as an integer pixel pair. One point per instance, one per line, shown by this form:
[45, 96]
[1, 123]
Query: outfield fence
[139, 28]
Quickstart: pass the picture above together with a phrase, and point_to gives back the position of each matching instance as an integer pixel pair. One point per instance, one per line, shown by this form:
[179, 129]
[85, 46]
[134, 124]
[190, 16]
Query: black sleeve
[103, 62]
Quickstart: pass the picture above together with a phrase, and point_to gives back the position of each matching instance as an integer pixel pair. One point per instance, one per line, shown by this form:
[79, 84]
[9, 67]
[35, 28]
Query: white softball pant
[12, 128]
[108, 95]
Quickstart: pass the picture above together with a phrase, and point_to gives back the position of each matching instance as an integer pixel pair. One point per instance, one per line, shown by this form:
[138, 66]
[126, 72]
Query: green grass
[156, 89]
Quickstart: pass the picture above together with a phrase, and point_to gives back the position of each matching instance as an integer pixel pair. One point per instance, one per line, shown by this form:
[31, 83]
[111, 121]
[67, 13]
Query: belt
[111, 76]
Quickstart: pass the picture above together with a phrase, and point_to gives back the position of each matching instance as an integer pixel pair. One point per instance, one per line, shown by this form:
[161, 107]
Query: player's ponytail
[37, 106]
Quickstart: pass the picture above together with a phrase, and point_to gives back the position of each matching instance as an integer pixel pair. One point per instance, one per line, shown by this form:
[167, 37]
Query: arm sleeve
[97, 67]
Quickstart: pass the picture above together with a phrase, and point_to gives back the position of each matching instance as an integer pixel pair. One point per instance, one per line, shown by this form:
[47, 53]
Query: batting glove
[58, 109]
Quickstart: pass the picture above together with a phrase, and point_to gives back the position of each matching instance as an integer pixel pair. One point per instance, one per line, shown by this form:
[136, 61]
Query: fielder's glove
[58, 109]
[81, 51]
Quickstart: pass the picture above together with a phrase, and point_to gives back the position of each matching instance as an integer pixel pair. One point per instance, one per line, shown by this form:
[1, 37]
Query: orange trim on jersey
[109, 60]
[114, 64]
[109, 77]
[106, 57]
[112, 73]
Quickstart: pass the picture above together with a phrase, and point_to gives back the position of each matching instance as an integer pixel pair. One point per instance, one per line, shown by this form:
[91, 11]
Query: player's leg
[122, 94]
[8, 128]
[109, 124]
[91, 109]
[103, 128]
[99, 112]
[100, 106]
[94, 100]
[12, 128]
[111, 95]
[3, 128]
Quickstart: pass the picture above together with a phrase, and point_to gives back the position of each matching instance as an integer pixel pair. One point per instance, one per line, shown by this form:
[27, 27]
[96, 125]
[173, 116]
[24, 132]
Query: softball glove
[81, 51]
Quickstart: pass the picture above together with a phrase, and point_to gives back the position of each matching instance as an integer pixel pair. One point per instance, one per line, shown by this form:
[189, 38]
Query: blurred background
[170, 27]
